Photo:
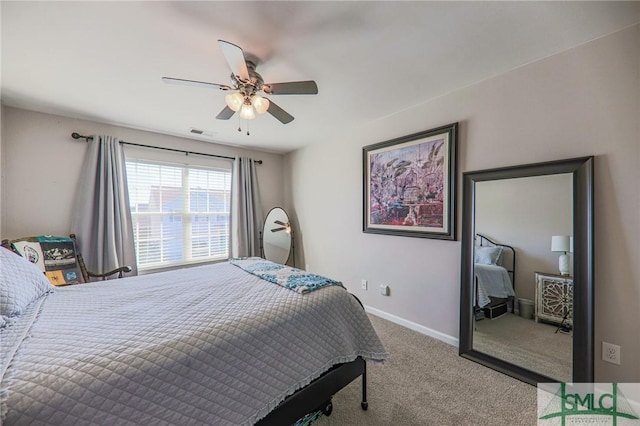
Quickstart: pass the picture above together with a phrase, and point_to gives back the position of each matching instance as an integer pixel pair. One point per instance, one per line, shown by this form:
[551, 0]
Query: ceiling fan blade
[235, 58]
[225, 114]
[283, 116]
[278, 229]
[308, 87]
[279, 222]
[171, 80]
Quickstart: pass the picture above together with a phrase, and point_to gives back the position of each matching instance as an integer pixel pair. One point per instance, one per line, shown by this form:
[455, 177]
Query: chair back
[57, 257]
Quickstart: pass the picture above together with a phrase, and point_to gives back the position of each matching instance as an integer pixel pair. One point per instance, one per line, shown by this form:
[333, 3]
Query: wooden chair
[80, 265]
[88, 275]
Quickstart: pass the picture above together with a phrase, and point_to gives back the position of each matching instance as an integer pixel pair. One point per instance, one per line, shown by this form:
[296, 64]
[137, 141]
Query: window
[180, 213]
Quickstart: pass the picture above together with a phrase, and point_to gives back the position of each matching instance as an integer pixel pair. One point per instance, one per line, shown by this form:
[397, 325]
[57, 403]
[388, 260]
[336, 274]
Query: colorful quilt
[292, 278]
[55, 256]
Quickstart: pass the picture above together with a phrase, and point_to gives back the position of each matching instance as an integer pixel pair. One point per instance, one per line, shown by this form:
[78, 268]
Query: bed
[213, 344]
[494, 269]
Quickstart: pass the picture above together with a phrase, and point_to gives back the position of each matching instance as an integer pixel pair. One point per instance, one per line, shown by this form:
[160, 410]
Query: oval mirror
[277, 236]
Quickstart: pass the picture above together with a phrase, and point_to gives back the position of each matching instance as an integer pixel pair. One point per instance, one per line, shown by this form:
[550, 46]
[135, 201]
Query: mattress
[205, 345]
[492, 280]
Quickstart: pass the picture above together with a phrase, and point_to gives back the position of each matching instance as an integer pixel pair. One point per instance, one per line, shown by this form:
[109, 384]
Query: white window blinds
[180, 213]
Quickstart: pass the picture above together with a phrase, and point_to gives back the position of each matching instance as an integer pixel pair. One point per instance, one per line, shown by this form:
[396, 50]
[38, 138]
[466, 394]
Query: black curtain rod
[79, 136]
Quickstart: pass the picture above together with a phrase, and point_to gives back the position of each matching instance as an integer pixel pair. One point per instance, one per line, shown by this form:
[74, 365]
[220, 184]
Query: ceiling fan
[283, 226]
[247, 85]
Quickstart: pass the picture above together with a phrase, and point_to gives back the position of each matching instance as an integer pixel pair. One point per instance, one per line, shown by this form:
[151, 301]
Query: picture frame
[409, 185]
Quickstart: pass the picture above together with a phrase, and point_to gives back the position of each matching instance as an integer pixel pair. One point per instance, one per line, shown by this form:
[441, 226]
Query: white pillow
[487, 255]
[21, 283]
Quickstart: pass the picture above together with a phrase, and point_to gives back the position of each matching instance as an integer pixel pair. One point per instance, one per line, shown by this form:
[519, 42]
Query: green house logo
[585, 403]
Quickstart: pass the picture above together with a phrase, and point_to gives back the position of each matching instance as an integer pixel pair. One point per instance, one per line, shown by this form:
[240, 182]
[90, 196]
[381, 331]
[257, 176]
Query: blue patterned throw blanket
[292, 278]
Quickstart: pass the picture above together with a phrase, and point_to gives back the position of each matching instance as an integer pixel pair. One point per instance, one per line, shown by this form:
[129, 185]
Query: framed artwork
[409, 185]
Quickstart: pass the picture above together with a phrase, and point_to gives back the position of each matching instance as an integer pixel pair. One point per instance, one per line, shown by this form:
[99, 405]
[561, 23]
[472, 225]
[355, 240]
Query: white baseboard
[453, 341]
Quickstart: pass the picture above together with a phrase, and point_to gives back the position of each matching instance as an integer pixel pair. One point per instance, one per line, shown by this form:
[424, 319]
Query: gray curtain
[246, 209]
[102, 219]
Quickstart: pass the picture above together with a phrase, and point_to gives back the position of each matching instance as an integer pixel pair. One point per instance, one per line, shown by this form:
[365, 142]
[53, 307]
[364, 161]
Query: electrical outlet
[611, 353]
[384, 290]
[363, 284]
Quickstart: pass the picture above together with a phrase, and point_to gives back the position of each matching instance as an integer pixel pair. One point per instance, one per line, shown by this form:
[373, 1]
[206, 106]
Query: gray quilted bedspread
[207, 345]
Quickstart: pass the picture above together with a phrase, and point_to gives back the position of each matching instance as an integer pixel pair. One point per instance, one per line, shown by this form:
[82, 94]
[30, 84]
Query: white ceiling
[104, 61]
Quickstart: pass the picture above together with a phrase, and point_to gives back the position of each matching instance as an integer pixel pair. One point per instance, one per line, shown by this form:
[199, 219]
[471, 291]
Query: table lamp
[562, 243]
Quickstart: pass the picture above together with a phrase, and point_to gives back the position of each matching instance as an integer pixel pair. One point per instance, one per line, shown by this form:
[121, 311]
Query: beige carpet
[524, 342]
[425, 382]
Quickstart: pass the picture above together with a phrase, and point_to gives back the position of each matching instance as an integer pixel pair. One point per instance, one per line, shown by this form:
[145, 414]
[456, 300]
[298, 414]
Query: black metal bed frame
[492, 243]
[322, 389]
[512, 272]
[317, 394]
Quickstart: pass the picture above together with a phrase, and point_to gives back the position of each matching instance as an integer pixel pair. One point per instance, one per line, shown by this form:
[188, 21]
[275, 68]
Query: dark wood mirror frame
[583, 271]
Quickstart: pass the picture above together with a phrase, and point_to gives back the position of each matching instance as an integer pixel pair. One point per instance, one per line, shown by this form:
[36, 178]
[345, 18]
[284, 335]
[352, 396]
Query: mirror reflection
[523, 299]
[526, 300]
[277, 236]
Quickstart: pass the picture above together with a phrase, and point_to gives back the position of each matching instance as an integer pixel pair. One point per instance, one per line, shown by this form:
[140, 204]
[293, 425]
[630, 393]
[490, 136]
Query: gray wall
[41, 166]
[584, 101]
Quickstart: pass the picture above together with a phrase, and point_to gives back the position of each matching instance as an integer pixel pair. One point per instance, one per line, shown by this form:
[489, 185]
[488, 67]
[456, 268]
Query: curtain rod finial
[76, 135]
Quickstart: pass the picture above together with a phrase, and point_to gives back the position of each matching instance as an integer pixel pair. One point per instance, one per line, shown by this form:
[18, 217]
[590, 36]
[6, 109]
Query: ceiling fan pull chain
[239, 122]
[248, 128]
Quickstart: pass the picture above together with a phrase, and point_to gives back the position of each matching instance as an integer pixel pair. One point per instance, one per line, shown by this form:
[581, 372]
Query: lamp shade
[260, 104]
[560, 243]
[246, 112]
[234, 101]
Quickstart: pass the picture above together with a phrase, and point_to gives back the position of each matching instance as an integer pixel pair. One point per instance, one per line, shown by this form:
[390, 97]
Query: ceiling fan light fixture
[246, 112]
[242, 95]
[234, 101]
[260, 104]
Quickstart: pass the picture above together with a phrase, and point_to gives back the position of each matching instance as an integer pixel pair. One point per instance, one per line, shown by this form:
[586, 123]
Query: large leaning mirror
[527, 270]
[277, 236]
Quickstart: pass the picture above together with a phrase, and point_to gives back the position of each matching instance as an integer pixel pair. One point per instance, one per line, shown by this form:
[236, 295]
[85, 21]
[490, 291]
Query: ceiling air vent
[209, 133]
